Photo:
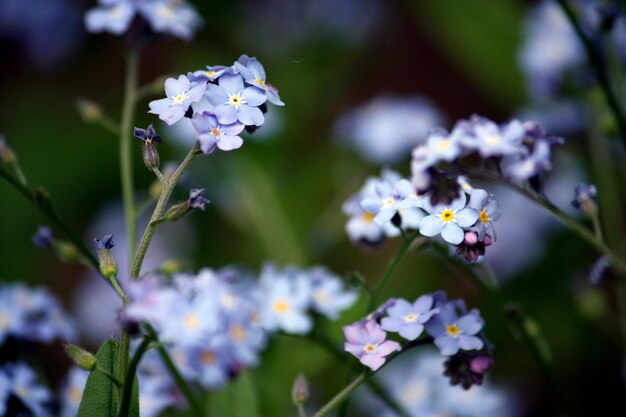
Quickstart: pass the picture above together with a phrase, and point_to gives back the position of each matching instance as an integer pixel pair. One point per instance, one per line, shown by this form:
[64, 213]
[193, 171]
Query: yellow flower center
[453, 330]
[179, 98]
[444, 145]
[493, 140]
[281, 306]
[483, 216]
[260, 81]
[447, 215]
[208, 357]
[368, 217]
[235, 100]
[216, 132]
[410, 318]
[388, 202]
[210, 74]
[238, 333]
[22, 392]
[229, 301]
[166, 12]
[369, 348]
[75, 395]
[192, 321]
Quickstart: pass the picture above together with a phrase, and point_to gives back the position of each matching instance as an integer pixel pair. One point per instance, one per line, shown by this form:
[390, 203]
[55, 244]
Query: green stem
[301, 412]
[594, 57]
[19, 173]
[130, 377]
[126, 174]
[118, 289]
[125, 149]
[408, 241]
[343, 394]
[178, 379]
[159, 210]
[44, 205]
[159, 175]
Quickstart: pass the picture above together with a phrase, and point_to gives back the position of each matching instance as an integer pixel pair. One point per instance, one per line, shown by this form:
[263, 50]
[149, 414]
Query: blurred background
[345, 69]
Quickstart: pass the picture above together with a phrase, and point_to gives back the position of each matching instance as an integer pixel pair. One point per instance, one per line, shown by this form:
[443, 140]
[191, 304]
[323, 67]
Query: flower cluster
[209, 322]
[172, 17]
[388, 205]
[231, 98]
[33, 315]
[286, 296]
[19, 381]
[449, 325]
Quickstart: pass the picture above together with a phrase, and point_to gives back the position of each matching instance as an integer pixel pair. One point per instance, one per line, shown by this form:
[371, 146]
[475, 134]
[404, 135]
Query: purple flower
[488, 212]
[196, 198]
[112, 16]
[180, 95]
[212, 134]
[233, 102]
[43, 238]
[174, 17]
[366, 341]
[147, 135]
[210, 74]
[408, 319]
[254, 74]
[452, 332]
[448, 220]
[105, 243]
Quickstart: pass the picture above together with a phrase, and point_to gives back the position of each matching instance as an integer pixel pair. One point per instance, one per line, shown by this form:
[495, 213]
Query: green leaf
[237, 399]
[100, 397]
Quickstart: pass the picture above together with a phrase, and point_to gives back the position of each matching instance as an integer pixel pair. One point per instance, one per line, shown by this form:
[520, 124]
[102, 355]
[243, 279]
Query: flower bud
[171, 266]
[81, 357]
[150, 138]
[66, 251]
[300, 390]
[43, 238]
[108, 266]
[196, 201]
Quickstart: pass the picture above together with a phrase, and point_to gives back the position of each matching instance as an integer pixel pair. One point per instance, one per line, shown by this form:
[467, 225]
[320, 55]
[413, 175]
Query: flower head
[488, 212]
[180, 96]
[408, 319]
[329, 295]
[212, 134]
[210, 74]
[105, 243]
[147, 135]
[367, 341]
[254, 74]
[196, 198]
[234, 102]
[448, 220]
[453, 332]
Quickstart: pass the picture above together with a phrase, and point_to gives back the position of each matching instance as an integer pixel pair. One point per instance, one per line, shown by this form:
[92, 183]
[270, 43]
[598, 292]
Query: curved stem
[180, 381]
[130, 377]
[42, 203]
[159, 210]
[408, 241]
[595, 58]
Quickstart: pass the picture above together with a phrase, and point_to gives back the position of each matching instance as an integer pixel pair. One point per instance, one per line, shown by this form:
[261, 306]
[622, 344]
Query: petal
[384, 216]
[356, 350]
[412, 331]
[256, 68]
[435, 327]
[272, 97]
[470, 342]
[431, 225]
[244, 71]
[452, 233]
[400, 308]
[466, 217]
[411, 218]
[231, 83]
[387, 347]
[228, 143]
[203, 122]
[216, 94]
[447, 345]
[459, 203]
[207, 143]
[251, 116]
[172, 114]
[478, 199]
[157, 106]
[392, 324]
[471, 324]
[372, 361]
[253, 96]
[423, 304]
[354, 334]
[234, 129]
[195, 93]
[226, 114]
[297, 323]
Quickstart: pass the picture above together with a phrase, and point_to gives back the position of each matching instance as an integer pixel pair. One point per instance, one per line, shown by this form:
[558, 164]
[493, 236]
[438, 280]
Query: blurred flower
[22, 383]
[408, 319]
[72, 391]
[453, 332]
[584, 200]
[367, 341]
[180, 95]
[43, 238]
[173, 17]
[390, 196]
[329, 295]
[32, 314]
[385, 129]
[489, 139]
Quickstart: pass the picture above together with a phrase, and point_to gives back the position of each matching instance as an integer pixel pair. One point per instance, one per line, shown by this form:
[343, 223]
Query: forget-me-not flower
[234, 102]
[330, 297]
[254, 74]
[209, 74]
[489, 139]
[174, 17]
[367, 341]
[72, 392]
[448, 220]
[452, 332]
[212, 134]
[23, 384]
[180, 95]
[488, 212]
[408, 319]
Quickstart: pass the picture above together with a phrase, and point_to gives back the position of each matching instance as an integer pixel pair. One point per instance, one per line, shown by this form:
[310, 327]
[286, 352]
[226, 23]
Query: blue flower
[525, 166]
[408, 319]
[43, 238]
[72, 392]
[448, 220]
[452, 332]
[209, 74]
[196, 199]
[105, 243]
[112, 16]
[488, 212]
[180, 95]
[173, 17]
[210, 362]
[254, 74]
[212, 134]
[330, 297]
[147, 135]
[233, 102]
[23, 385]
[584, 200]
[245, 336]
[489, 139]
[367, 341]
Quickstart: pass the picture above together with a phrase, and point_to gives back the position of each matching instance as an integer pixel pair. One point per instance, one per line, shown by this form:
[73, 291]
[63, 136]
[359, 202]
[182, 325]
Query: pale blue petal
[231, 83]
[470, 342]
[431, 225]
[226, 114]
[228, 143]
[216, 95]
[447, 345]
[466, 217]
[452, 233]
[411, 331]
[253, 96]
[250, 116]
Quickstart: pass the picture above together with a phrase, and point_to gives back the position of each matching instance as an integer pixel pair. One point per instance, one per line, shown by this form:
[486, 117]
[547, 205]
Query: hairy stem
[159, 210]
[130, 377]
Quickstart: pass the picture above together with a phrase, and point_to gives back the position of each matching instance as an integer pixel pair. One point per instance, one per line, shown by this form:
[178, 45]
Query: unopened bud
[108, 266]
[300, 391]
[66, 251]
[150, 138]
[81, 357]
[89, 111]
[171, 266]
[196, 201]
